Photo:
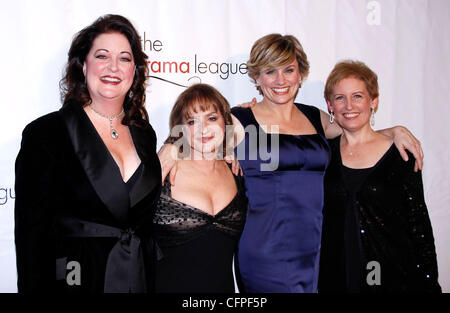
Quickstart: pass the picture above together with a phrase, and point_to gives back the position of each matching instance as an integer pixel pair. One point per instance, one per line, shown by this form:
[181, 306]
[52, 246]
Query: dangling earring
[130, 94]
[372, 118]
[332, 117]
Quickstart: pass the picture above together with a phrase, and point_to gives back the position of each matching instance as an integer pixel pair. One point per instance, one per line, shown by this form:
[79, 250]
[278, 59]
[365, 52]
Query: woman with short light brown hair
[374, 210]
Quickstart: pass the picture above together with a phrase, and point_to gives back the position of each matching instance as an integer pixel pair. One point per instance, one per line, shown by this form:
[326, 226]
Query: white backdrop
[405, 41]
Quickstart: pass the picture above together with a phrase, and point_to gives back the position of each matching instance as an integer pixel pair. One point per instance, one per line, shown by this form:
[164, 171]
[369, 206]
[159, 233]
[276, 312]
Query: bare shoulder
[331, 130]
[383, 142]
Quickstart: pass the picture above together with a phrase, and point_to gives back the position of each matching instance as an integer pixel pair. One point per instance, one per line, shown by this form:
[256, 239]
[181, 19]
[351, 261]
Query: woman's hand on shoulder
[235, 166]
[250, 104]
[405, 140]
[168, 157]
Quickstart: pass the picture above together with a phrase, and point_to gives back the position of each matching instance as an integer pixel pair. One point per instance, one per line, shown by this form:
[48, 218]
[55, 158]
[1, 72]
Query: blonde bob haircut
[275, 50]
[352, 68]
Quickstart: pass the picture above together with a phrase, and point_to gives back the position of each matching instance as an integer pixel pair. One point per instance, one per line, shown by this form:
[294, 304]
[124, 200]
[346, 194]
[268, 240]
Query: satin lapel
[100, 167]
[145, 147]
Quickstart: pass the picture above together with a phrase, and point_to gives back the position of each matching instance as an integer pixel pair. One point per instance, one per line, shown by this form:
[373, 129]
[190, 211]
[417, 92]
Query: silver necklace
[114, 133]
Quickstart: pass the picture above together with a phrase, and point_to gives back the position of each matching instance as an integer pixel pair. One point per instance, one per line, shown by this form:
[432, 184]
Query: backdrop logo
[194, 66]
[374, 13]
[6, 194]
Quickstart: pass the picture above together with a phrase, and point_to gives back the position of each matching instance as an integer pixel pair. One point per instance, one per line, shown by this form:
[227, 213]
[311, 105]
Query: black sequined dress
[377, 214]
[197, 247]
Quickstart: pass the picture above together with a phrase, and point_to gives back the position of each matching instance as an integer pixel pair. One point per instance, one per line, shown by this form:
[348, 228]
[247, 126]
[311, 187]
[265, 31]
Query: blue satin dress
[279, 248]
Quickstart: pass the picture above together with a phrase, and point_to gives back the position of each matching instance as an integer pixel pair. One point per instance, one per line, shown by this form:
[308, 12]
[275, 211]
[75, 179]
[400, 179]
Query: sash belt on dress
[125, 269]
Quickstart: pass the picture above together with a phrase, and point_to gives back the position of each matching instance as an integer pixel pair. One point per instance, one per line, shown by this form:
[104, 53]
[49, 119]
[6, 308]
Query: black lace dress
[197, 247]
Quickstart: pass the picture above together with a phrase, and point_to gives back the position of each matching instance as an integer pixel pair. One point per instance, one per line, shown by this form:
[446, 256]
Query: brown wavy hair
[202, 97]
[73, 84]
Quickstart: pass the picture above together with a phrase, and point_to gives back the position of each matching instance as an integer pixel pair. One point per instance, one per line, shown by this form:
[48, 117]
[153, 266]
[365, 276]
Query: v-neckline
[99, 138]
[134, 173]
[193, 208]
[102, 171]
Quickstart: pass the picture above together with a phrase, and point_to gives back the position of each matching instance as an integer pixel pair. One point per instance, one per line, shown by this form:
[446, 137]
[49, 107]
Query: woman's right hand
[168, 157]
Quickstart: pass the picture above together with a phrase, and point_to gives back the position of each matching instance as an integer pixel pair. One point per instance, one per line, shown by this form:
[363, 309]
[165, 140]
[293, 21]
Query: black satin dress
[197, 247]
[72, 205]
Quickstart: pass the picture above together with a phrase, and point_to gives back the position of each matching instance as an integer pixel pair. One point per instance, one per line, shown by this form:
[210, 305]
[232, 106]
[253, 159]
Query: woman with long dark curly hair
[87, 176]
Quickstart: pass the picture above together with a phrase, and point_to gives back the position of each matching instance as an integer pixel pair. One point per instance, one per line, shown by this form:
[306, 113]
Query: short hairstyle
[276, 50]
[352, 68]
[202, 97]
[73, 84]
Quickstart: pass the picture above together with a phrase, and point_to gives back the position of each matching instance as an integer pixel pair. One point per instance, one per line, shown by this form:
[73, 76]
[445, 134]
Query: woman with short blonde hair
[275, 50]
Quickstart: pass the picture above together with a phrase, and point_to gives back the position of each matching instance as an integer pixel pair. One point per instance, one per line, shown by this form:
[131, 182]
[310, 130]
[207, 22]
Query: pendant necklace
[114, 133]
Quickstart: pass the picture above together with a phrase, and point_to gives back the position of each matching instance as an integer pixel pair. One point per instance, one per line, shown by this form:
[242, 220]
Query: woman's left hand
[405, 140]
[235, 166]
[250, 104]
